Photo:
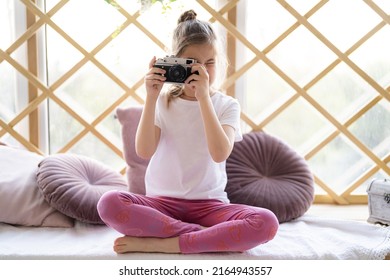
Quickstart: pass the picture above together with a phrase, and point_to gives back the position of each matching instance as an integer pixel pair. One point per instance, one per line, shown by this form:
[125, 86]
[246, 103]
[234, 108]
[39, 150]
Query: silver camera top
[177, 69]
[175, 60]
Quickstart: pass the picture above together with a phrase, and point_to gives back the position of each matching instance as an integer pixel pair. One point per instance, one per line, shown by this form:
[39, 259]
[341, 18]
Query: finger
[155, 84]
[191, 81]
[155, 76]
[159, 71]
[195, 77]
[151, 75]
[198, 68]
[152, 62]
[156, 70]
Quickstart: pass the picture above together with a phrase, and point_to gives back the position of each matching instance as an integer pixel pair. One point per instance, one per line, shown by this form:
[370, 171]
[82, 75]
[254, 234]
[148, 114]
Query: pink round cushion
[263, 171]
[73, 184]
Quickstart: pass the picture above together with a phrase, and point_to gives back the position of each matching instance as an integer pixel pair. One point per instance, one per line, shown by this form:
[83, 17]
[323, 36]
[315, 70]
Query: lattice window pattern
[322, 126]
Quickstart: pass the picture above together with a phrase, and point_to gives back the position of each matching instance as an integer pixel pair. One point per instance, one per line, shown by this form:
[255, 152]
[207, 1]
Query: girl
[188, 133]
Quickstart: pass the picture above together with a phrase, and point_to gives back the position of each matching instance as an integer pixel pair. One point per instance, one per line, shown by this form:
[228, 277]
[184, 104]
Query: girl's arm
[148, 134]
[220, 138]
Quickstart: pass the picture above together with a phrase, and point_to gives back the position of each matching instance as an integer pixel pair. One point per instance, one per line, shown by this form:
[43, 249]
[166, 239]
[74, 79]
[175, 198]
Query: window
[11, 80]
[320, 85]
[332, 111]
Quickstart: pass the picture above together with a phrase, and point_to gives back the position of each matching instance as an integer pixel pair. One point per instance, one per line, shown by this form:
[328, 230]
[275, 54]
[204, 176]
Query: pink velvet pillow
[136, 166]
[263, 171]
[73, 184]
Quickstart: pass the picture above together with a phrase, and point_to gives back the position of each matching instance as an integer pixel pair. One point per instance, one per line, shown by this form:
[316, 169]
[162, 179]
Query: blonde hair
[191, 31]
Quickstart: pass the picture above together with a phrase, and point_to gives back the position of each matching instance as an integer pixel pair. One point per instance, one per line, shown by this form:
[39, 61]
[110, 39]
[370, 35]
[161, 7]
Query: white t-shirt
[182, 166]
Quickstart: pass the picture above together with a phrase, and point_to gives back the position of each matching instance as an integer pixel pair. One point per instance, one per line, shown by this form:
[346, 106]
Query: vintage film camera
[177, 69]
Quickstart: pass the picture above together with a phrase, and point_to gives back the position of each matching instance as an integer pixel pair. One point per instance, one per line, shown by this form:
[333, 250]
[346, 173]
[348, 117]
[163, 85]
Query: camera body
[177, 69]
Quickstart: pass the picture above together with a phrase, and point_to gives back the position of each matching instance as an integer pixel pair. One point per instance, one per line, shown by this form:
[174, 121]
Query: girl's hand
[198, 82]
[154, 79]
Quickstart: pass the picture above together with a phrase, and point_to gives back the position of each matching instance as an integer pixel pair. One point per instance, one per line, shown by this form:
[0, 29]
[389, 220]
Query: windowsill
[350, 212]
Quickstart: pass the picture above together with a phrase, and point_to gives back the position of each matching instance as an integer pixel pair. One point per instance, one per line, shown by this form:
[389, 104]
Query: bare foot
[127, 244]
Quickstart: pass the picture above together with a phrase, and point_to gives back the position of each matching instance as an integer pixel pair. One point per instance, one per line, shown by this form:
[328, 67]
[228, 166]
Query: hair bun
[188, 15]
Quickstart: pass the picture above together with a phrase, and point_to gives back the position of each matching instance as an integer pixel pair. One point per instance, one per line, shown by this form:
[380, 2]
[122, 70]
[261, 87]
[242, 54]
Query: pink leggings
[230, 227]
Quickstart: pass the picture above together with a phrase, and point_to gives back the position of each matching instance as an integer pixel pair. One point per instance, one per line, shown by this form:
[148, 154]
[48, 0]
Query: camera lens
[177, 73]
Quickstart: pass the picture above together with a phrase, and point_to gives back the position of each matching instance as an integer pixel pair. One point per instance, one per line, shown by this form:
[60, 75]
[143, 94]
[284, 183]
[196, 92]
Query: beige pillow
[21, 202]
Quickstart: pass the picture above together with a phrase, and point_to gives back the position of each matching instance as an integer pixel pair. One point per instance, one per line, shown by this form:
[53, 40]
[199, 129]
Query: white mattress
[308, 237]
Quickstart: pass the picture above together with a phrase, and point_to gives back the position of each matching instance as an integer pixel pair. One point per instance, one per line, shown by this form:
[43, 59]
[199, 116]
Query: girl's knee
[265, 222]
[105, 202]
[109, 203]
